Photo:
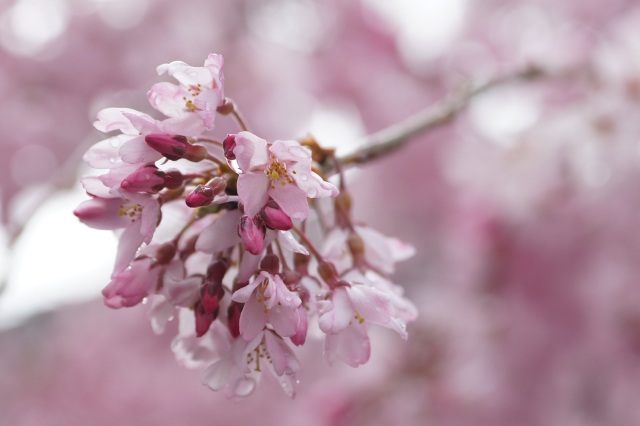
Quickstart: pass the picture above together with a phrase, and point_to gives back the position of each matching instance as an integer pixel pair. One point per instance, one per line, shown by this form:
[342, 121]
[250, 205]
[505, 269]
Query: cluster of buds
[245, 241]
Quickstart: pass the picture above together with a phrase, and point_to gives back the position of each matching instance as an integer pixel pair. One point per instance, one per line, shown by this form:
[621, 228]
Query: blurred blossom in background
[523, 210]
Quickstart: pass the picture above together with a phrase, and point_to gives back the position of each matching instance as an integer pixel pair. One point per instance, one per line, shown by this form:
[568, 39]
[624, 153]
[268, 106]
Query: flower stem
[397, 135]
[308, 244]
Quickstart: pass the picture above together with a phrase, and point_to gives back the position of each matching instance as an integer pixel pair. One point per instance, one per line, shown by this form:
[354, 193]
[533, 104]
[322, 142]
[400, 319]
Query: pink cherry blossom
[129, 146]
[268, 300]
[199, 93]
[135, 214]
[280, 170]
[238, 372]
[354, 305]
[130, 286]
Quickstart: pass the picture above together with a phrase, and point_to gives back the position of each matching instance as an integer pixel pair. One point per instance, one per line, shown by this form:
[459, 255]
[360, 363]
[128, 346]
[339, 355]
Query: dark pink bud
[203, 195]
[211, 295]
[270, 263]
[274, 218]
[216, 272]
[204, 319]
[233, 313]
[173, 179]
[229, 145]
[165, 253]
[175, 147]
[148, 179]
[252, 233]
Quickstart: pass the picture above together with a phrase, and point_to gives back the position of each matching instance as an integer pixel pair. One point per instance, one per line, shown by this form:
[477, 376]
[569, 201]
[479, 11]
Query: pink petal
[337, 314]
[188, 124]
[94, 186]
[250, 151]
[291, 151]
[110, 119]
[245, 293]
[252, 190]
[101, 213]
[221, 234]
[284, 320]
[371, 304]
[351, 346]
[168, 99]
[312, 184]
[291, 199]
[136, 151]
[130, 241]
[252, 319]
[283, 359]
[106, 153]
[289, 242]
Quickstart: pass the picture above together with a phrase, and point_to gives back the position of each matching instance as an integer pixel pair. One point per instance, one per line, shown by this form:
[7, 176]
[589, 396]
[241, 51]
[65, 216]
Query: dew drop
[244, 387]
[304, 177]
[170, 318]
[145, 300]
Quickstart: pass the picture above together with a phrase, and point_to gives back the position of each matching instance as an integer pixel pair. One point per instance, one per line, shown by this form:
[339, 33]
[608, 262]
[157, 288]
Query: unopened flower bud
[301, 263]
[270, 263]
[165, 253]
[328, 273]
[175, 147]
[342, 204]
[204, 319]
[189, 247]
[216, 272]
[226, 107]
[147, 179]
[173, 179]
[203, 195]
[356, 244]
[274, 218]
[252, 233]
[211, 294]
[229, 145]
[233, 314]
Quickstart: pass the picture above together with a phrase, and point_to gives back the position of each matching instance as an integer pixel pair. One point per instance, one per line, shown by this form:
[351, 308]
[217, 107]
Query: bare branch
[397, 135]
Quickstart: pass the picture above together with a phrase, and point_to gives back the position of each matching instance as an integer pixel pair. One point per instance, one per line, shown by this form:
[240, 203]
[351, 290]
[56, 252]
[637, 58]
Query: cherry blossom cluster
[244, 240]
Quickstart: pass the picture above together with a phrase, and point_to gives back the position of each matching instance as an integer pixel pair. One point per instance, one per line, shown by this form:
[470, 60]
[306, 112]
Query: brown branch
[397, 135]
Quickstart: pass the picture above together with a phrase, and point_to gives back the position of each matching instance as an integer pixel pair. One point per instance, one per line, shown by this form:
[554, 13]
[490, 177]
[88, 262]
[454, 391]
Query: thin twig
[397, 135]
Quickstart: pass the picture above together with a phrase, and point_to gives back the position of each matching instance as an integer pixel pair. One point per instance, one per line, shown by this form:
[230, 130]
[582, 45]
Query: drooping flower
[199, 93]
[280, 170]
[237, 373]
[129, 147]
[268, 300]
[135, 214]
[130, 286]
[354, 305]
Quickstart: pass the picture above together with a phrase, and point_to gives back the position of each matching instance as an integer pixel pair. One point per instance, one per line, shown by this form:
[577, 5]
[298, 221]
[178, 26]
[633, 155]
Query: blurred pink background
[523, 211]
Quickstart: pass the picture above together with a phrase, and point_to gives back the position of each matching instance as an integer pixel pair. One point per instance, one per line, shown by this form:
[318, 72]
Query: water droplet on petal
[170, 318]
[145, 300]
[304, 177]
[244, 387]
